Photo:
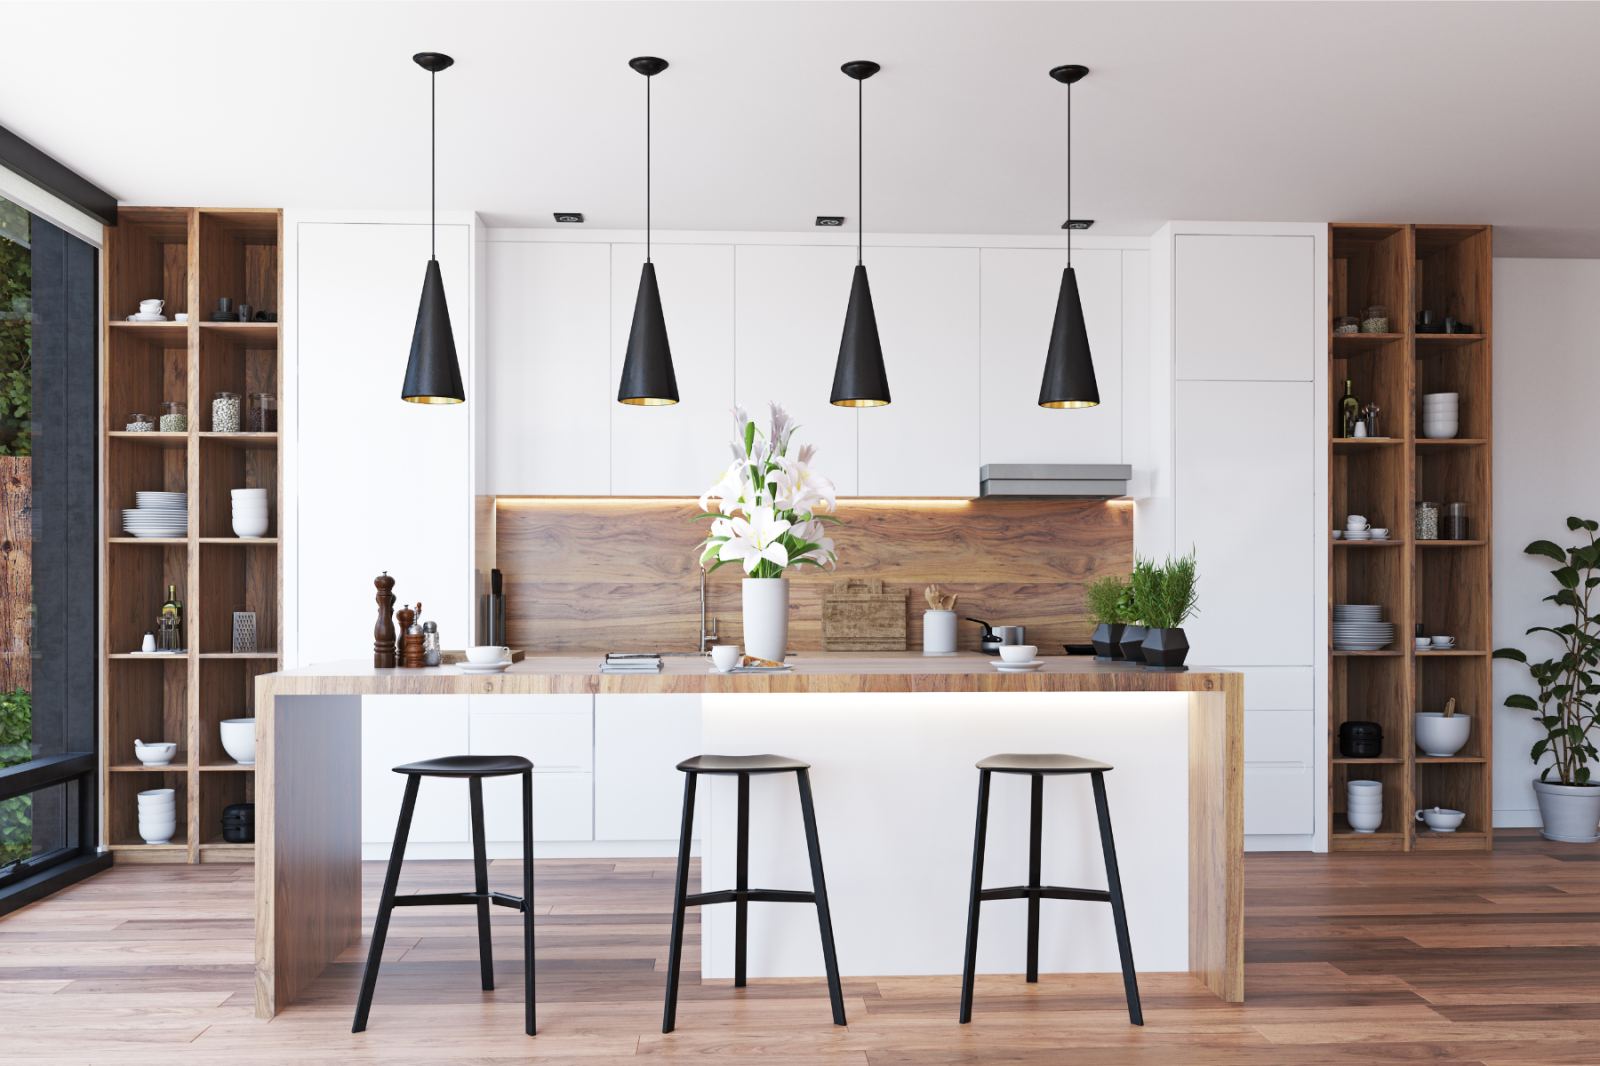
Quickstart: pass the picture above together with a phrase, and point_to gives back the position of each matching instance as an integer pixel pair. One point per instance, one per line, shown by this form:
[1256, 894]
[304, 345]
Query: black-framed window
[49, 398]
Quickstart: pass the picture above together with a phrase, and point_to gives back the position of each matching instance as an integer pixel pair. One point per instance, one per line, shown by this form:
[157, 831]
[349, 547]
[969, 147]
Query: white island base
[896, 798]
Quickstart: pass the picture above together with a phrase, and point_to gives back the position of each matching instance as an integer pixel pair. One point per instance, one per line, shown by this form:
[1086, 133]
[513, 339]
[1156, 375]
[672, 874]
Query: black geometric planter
[1107, 637]
[1131, 644]
[1165, 649]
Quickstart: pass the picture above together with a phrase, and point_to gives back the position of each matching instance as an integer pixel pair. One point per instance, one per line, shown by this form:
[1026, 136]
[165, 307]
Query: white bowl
[250, 527]
[1441, 736]
[1440, 432]
[250, 512]
[1357, 804]
[1364, 821]
[155, 794]
[486, 653]
[157, 834]
[239, 740]
[154, 754]
[1442, 819]
[242, 493]
[157, 812]
[1436, 396]
[1357, 786]
[1338, 533]
[1018, 653]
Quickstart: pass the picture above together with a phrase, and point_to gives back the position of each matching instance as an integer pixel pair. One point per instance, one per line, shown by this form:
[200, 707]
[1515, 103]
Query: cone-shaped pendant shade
[433, 375]
[859, 379]
[647, 377]
[1068, 368]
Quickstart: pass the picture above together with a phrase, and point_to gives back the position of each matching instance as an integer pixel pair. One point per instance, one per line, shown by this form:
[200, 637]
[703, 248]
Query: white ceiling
[1424, 112]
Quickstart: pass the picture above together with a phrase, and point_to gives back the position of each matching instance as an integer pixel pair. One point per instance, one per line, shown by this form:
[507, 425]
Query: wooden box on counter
[861, 616]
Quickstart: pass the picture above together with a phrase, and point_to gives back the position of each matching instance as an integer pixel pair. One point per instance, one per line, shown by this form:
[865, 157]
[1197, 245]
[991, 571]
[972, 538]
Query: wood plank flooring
[1449, 959]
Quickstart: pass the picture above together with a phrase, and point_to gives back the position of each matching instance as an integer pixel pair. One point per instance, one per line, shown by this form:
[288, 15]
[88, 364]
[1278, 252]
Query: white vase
[766, 617]
[938, 632]
[1570, 813]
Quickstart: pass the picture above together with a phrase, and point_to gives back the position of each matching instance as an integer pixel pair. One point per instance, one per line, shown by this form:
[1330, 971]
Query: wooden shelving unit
[1442, 585]
[188, 257]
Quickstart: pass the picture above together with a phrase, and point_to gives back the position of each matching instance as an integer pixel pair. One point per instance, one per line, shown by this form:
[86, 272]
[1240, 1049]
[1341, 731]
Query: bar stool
[1037, 767]
[474, 768]
[742, 895]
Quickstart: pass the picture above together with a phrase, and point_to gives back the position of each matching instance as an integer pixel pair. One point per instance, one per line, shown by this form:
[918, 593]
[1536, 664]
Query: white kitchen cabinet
[924, 443]
[1246, 502]
[400, 729]
[675, 450]
[1279, 782]
[638, 742]
[549, 408]
[1245, 307]
[789, 318]
[1019, 291]
[557, 734]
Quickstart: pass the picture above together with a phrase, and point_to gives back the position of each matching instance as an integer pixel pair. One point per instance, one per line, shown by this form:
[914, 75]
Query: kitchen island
[892, 738]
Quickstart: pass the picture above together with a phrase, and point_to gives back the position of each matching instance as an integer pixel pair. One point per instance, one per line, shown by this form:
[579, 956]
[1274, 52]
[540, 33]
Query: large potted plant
[1164, 597]
[766, 519]
[1110, 604]
[1569, 806]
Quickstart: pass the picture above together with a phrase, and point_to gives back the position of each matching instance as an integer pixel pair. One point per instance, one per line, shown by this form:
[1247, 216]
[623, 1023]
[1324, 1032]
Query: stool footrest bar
[1095, 895]
[751, 895]
[448, 899]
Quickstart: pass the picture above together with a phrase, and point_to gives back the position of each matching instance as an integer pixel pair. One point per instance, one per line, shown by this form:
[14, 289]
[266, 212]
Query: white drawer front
[563, 807]
[402, 729]
[1278, 780]
[556, 743]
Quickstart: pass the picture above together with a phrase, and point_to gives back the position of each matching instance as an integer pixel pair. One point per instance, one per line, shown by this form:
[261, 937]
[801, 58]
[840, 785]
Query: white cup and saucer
[1379, 534]
[486, 659]
[1442, 643]
[1019, 658]
[149, 311]
[724, 658]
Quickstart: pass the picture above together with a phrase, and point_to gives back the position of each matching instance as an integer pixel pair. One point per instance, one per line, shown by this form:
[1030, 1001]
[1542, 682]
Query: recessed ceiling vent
[1053, 481]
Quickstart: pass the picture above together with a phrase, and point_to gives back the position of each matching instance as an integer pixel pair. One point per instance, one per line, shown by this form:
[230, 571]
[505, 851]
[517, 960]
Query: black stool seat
[1042, 764]
[742, 764]
[468, 766]
[741, 895]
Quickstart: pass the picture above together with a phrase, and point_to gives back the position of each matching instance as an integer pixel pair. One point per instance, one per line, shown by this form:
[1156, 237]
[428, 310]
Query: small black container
[239, 823]
[1107, 641]
[1132, 643]
[1361, 740]
[1165, 649]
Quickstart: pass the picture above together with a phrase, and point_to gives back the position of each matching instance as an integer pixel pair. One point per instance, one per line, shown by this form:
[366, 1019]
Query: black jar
[239, 823]
[1361, 740]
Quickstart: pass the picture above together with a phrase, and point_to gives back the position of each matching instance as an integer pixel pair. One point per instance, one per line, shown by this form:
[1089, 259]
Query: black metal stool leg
[741, 882]
[669, 1018]
[391, 881]
[527, 902]
[480, 882]
[1035, 865]
[824, 918]
[1130, 983]
[969, 968]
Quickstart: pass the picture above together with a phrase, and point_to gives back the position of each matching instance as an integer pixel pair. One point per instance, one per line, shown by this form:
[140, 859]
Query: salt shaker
[431, 653]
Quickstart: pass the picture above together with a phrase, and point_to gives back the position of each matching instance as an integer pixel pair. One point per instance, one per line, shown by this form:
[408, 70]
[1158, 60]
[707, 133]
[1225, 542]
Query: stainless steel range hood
[1051, 481]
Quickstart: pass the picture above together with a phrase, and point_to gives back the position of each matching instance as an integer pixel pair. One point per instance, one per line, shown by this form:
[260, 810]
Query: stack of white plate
[159, 514]
[1360, 627]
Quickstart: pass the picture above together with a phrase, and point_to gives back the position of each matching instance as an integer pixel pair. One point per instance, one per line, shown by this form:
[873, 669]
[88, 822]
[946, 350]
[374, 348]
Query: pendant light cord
[433, 164]
[860, 167]
[647, 82]
[1069, 174]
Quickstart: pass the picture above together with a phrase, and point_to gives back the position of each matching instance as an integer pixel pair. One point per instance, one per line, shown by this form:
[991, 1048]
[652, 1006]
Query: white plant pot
[938, 632]
[1570, 813]
[239, 740]
[1441, 736]
[766, 617]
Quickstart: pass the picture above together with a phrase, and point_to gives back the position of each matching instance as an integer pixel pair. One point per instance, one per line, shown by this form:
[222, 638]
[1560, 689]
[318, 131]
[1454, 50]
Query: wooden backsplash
[621, 574]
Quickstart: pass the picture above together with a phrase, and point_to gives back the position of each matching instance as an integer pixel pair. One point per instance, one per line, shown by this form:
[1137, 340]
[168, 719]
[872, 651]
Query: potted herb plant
[1164, 597]
[766, 520]
[1569, 806]
[1110, 604]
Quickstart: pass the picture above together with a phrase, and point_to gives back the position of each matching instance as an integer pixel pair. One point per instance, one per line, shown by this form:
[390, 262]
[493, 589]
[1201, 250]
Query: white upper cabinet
[1019, 290]
[788, 321]
[549, 369]
[925, 442]
[675, 450]
[1245, 501]
[1246, 307]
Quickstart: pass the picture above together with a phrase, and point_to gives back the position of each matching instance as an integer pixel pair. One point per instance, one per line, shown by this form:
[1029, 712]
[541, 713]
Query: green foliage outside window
[16, 814]
[16, 331]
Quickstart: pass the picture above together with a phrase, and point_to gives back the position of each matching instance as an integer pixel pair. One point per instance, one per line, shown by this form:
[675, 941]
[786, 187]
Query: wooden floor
[1352, 959]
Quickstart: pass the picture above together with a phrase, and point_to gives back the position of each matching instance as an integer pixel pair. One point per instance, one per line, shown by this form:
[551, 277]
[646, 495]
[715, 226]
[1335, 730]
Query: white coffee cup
[1380, 534]
[1443, 642]
[180, 316]
[1018, 653]
[151, 307]
[486, 653]
[724, 656]
[1423, 643]
[1355, 522]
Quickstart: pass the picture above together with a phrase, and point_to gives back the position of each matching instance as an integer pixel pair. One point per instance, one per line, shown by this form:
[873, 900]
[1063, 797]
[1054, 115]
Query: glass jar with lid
[140, 423]
[1453, 523]
[174, 417]
[225, 413]
[1347, 324]
[1427, 520]
[263, 413]
[1375, 319]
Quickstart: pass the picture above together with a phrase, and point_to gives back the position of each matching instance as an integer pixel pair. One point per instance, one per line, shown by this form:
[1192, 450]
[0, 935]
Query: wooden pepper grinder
[383, 632]
[403, 619]
[414, 658]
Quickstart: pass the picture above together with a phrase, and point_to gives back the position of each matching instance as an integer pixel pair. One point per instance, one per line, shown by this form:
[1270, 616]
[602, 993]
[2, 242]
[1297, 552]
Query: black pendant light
[859, 379]
[1069, 368]
[432, 374]
[647, 377]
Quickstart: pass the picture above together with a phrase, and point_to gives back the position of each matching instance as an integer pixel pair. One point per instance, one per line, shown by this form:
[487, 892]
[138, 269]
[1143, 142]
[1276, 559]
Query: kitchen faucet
[705, 637]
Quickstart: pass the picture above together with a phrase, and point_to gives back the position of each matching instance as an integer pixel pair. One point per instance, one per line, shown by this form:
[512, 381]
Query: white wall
[1546, 379]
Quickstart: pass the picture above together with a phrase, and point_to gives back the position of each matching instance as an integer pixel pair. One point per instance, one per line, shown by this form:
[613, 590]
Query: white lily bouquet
[779, 496]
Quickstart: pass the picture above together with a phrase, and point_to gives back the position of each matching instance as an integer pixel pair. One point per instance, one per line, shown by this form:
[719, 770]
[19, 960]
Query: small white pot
[766, 617]
[1570, 813]
[239, 740]
[938, 632]
[1441, 736]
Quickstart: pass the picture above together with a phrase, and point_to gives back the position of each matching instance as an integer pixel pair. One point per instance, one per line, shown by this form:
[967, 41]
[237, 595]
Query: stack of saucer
[249, 513]
[1360, 627]
[158, 816]
[159, 514]
[1363, 805]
